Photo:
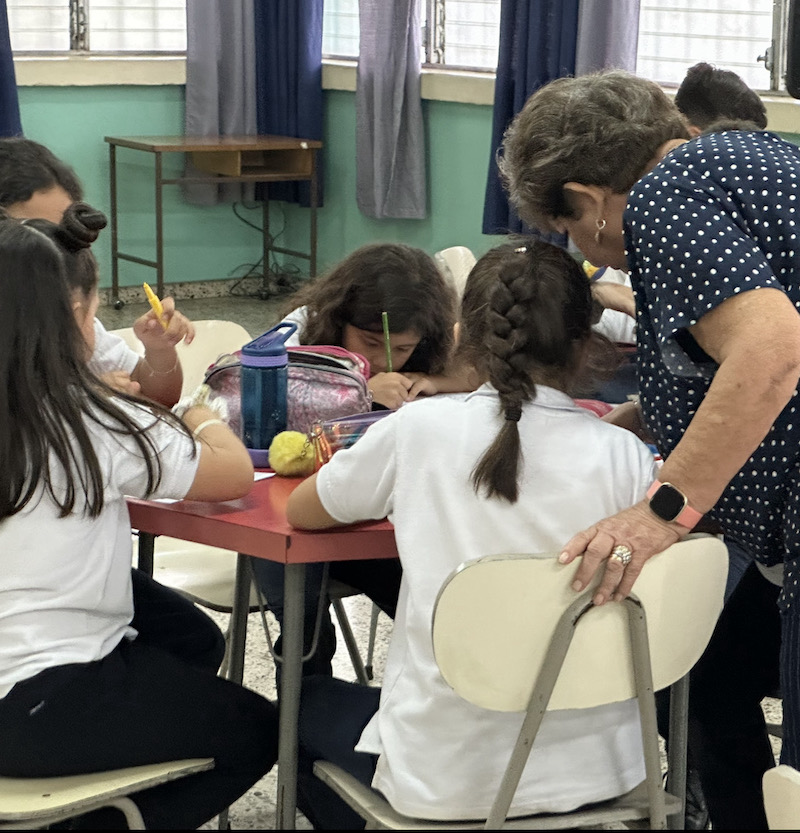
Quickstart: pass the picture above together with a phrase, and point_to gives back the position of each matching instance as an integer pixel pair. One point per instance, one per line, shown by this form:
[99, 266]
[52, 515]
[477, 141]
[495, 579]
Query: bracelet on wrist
[154, 372]
[203, 425]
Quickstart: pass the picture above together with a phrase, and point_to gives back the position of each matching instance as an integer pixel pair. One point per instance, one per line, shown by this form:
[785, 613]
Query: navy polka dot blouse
[719, 216]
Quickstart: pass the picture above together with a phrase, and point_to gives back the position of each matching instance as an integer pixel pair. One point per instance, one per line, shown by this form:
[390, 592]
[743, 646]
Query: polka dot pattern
[717, 217]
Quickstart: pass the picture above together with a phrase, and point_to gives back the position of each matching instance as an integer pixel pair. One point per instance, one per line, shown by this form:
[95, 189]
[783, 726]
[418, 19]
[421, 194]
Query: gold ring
[622, 554]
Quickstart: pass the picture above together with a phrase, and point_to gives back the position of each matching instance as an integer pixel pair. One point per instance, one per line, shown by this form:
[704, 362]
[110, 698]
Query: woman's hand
[636, 528]
[155, 337]
[390, 389]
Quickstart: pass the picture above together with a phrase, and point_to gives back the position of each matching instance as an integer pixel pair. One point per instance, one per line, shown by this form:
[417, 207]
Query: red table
[256, 526]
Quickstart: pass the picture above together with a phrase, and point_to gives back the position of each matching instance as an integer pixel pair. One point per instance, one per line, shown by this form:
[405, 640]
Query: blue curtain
[288, 35]
[10, 124]
[537, 45]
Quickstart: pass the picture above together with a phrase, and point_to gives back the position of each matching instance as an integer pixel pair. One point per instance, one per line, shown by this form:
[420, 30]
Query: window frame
[79, 15]
[439, 82]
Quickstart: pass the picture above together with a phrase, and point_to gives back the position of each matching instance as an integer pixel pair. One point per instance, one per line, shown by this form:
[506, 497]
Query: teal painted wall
[458, 138]
[208, 243]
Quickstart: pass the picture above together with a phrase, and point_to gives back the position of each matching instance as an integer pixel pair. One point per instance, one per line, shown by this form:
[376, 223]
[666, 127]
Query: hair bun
[80, 226]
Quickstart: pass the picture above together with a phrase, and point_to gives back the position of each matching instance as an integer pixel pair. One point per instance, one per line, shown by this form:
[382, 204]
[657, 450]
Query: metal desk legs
[147, 544]
[291, 675]
[676, 754]
[238, 621]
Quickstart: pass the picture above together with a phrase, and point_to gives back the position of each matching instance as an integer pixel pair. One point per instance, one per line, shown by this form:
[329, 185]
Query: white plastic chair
[455, 264]
[782, 797]
[536, 647]
[34, 803]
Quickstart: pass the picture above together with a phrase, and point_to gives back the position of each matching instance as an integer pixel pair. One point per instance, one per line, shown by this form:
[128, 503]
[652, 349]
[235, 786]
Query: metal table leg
[238, 622]
[291, 675]
[676, 754]
[147, 542]
[159, 183]
[112, 161]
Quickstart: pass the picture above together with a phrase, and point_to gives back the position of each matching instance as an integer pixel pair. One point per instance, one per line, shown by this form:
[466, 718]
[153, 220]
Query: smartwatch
[672, 505]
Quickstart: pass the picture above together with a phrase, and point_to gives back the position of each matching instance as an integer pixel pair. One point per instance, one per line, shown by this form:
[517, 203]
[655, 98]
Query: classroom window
[731, 34]
[746, 36]
[128, 26]
[460, 34]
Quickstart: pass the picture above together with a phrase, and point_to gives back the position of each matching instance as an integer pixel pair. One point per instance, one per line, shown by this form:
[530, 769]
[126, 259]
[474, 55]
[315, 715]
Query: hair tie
[513, 413]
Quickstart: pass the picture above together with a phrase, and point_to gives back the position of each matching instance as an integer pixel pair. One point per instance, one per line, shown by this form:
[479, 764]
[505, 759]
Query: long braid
[539, 311]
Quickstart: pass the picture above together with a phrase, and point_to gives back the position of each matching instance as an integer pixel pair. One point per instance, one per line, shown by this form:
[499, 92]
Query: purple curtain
[537, 45]
[10, 124]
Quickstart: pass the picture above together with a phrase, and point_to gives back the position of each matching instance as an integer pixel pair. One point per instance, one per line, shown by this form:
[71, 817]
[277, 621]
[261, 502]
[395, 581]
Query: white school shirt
[111, 353]
[297, 316]
[65, 586]
[440, 756]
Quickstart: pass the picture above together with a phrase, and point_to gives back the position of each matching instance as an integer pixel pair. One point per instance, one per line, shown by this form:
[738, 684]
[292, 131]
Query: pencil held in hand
[387, 343]
[155, 304]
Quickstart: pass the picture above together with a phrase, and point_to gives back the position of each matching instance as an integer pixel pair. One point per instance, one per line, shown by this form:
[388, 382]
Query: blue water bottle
[264, 382]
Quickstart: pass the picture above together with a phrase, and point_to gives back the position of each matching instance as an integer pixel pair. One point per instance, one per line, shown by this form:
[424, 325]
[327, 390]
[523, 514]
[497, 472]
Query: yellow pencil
[155, 304]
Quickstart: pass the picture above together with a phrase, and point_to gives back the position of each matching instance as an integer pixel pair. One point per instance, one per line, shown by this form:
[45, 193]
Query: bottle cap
[269, 349]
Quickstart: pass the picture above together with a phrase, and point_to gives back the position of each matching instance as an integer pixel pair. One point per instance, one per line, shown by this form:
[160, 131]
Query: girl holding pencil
[390, 303]
[82, 687]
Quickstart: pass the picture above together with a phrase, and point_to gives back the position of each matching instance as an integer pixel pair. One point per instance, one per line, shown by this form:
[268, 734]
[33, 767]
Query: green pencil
[387, 343]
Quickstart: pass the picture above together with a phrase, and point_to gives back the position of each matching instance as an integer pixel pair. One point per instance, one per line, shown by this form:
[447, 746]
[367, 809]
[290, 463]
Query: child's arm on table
[225, 470]
[462, 378]
[305, 510]
[614, 296]
[628, 415]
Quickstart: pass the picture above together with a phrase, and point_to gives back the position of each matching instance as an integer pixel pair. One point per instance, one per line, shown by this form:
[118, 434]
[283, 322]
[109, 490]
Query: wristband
[196, 431]
[671, 505]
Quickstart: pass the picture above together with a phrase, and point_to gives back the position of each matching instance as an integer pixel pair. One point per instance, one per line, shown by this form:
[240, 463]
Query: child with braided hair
[513, 467]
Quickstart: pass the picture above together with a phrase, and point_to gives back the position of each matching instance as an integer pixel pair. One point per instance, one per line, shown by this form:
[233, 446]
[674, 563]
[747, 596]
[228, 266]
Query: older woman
[708, 231]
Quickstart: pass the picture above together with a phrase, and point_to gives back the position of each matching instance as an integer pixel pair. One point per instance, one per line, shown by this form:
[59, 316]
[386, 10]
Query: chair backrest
[782, 797]
[455, 263]
[494, 618]
[212, 339]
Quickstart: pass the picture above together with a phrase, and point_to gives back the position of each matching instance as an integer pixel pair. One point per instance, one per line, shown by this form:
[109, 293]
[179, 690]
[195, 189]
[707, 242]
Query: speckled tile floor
[256, 809]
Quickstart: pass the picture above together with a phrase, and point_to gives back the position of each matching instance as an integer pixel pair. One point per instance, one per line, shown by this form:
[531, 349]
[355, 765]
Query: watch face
[668, 502]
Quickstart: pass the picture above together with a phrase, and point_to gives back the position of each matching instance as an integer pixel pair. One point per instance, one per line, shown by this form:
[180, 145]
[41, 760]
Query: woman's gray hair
[598, 129]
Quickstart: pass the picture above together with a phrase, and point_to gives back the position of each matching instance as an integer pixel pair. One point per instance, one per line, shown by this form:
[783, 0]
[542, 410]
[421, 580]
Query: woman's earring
[601, 224]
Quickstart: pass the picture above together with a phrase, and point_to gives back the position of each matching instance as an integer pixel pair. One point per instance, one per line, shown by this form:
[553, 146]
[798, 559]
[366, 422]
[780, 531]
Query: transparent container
[263, 390]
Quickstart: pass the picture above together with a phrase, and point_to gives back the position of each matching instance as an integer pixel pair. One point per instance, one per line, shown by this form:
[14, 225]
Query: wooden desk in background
[256, 526]
[223, 160]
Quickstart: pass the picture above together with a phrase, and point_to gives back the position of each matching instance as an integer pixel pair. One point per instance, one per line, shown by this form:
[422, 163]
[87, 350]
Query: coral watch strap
[688, 517]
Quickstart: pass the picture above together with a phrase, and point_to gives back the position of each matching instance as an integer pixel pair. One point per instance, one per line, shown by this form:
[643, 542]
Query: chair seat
[43, 799]
[202, 574]
[782, 797]
[378, 812]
